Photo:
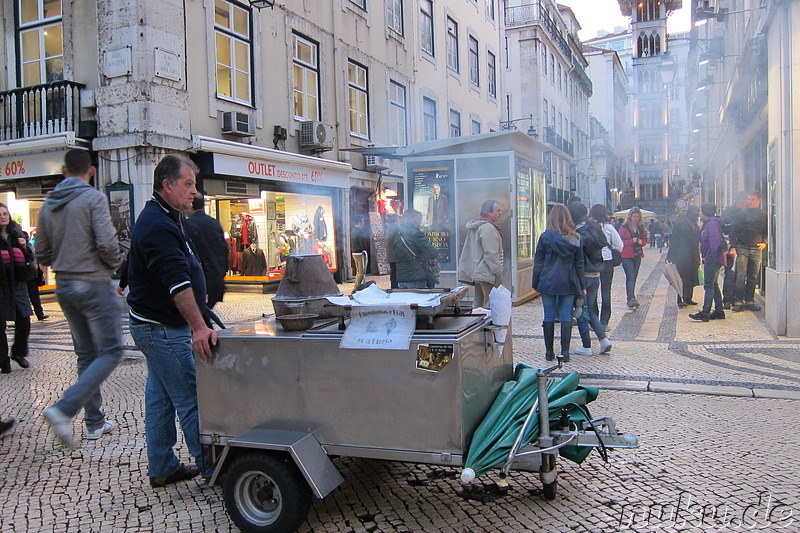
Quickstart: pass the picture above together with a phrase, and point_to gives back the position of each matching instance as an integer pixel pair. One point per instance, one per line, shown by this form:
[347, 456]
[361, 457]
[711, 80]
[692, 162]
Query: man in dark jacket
[748, 239]
[208, 241]
[412, 251]
[593, 240]
[712, 249]
[77, 239]
[684, 253]
[167, 299]
[729, 217]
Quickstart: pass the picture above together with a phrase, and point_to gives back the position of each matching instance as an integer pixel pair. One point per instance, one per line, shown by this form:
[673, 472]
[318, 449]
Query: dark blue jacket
[558, 265]
[161, 264]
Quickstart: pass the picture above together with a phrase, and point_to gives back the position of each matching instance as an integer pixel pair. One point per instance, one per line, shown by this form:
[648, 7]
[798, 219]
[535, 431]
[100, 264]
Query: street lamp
[261, 4]
[510, 125]
[668, 68]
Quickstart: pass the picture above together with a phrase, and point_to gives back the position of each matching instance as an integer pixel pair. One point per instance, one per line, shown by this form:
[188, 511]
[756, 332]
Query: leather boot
[566, 336]
[549, 333]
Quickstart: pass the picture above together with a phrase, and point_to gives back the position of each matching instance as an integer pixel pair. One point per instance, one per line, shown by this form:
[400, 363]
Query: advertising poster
[432, 196]
[379, 328]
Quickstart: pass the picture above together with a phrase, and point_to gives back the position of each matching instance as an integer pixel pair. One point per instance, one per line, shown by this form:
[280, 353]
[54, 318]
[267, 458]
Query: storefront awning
[36, 156]
[257, 162]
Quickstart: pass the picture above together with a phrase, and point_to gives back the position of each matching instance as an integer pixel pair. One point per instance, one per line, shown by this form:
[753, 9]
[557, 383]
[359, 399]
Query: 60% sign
[13, 168]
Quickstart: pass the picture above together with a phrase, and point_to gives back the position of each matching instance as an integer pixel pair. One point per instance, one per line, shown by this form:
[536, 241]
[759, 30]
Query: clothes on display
[243, 229]
[254, 263]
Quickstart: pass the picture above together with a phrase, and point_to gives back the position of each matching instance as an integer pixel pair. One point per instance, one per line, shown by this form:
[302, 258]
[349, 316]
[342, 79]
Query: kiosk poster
[432, 184]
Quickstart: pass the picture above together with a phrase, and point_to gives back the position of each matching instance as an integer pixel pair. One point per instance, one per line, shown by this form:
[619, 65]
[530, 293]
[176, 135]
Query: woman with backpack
[634, 239]
[558, 276]
[610, 259]
[593, 241]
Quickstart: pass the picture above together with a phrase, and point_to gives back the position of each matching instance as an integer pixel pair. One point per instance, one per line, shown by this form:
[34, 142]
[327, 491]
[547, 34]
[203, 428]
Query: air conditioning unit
[316, 136]
[235, 123]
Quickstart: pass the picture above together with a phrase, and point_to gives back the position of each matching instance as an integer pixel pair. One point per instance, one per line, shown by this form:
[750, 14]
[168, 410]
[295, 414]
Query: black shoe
[702, 316]
[738, 306]
[690, 302]
[42, 317]
[6, 426]
[681, 305]
[719, 314]
[752, 307]
[549, 356]
[726, 305]
[21, 361]
[181, 474]
[564, 358]
[5, 370]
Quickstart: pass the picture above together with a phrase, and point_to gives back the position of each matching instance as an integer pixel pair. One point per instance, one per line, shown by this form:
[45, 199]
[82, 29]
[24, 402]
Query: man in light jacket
[481, 261]
[76, 237]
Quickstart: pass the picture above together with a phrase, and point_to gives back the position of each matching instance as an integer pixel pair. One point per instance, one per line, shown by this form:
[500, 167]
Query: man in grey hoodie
[76, 237]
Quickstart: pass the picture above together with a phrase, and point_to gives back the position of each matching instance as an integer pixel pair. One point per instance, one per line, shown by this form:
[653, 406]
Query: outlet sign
[279, 171]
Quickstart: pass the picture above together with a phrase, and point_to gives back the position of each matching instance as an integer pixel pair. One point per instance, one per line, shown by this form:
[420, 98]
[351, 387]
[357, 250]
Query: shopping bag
[673, 277]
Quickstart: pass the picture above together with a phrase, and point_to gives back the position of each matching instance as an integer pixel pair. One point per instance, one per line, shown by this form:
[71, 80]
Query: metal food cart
[275, 405]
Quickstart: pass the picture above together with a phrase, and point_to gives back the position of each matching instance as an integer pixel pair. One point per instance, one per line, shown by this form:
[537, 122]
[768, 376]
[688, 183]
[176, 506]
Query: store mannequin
[253, 261]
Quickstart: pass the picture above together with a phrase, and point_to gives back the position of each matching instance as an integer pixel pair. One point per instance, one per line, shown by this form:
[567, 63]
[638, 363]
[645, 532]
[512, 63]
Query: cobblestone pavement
[719, 456]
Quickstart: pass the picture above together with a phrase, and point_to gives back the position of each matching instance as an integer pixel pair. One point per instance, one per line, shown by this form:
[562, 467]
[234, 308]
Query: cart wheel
[266, 493]
[549, 490]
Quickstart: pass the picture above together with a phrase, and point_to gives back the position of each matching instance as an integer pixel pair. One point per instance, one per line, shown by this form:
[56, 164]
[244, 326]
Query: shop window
[233, 45]
[474, 70]
[428, 119]
[41, 48]
[426, 26]
[305, 66]
[358, 98]
[452, 44]
[398, 114]
[262, 232]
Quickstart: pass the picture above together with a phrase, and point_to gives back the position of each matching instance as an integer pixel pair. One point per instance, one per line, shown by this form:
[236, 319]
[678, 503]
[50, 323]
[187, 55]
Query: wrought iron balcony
[535, 13]
[40, 110]
[554, 139]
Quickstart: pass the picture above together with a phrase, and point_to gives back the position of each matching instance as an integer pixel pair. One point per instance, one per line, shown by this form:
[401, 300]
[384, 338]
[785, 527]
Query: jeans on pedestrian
[94, 314]
[711, 287]
[606, 277]
[748, 270]
[590, 300]
[171, 388]
[631, 268]
[558, 306]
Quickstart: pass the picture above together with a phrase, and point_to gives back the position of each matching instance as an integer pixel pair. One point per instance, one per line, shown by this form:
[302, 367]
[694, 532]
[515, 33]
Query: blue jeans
[748, 269]
[631, 268]
[590, 300]
[711, 287]
[606, 278]
[93, 312]
[171, 388]
[558, 306]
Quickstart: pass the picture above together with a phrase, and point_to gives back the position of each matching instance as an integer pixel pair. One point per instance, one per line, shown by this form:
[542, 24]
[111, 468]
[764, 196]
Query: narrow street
[715, 406]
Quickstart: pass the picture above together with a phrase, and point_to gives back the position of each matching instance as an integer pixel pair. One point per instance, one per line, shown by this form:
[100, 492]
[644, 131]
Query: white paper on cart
[374, 295]
[500, 306]
[379, 328]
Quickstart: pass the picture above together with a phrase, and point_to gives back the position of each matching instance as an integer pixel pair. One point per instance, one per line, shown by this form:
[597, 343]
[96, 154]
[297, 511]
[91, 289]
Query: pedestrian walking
[558, 277]
[208, 241]
[600, 214]
[655, 230]
[412, 253]
[77, 238]
[481, 260]
[729, 217]
[749, 239]
[634, 239]
[166, 295]
[13, 292]
[684, 253]
[593, 240]
[712, 249]
[667, 230]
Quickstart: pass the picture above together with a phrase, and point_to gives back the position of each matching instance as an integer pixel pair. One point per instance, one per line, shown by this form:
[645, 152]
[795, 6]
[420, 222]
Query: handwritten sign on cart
[379, 328]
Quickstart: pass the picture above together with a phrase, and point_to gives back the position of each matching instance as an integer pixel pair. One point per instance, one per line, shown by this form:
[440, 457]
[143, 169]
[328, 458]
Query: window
[552, 68]
[40, 42]
[452, 44]
[559, 77]
[546, 120]
[474, 70]
[398, 117]
[357, 99]
[475, 127]
[426, 26]
[360, 3]
[232, 36]
[492, 72]
[394, 15]
[490, 9]
[455, 123]
[306, 78]
[428, 119]
[544, 60]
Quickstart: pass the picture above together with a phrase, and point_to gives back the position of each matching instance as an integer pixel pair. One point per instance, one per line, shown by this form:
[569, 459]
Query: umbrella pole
[544, 419]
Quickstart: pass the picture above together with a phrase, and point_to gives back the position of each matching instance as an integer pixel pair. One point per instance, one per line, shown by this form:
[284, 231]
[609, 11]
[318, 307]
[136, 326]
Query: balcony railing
[554, 139]
[536, 14]
[40, 110]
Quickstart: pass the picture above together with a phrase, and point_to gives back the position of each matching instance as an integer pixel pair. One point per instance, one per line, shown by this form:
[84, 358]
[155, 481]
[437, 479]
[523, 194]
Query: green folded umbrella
[496, 434]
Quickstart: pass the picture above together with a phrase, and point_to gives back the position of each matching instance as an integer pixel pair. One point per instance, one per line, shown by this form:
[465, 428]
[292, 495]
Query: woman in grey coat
[14, 300]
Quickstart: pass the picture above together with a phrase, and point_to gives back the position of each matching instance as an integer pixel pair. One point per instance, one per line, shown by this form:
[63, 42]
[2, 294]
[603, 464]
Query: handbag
[430, 275]
[616, 257]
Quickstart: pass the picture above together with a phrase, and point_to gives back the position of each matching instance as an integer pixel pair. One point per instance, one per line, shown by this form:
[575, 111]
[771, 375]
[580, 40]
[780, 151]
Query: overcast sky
[596, 15]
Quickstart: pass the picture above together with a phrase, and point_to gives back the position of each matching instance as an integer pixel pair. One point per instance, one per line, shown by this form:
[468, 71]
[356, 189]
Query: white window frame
[398, 114]
[454, 123]
[474, 61]
[47, 65]
[362, 4]
[429, 119]
[394, 16]
[235, 39]
[475, 127]
[358, 99]
[426, 26]
[310, 71]
[452, 45]
[491, 72]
